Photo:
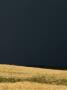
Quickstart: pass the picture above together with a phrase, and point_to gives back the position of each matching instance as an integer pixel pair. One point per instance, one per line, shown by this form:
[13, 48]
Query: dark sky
[33, 32]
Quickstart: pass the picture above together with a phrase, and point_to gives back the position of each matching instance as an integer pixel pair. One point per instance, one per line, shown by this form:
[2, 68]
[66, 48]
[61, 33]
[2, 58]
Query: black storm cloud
[33, 33]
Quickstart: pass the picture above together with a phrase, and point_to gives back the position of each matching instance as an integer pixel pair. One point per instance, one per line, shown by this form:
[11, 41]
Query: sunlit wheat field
[14, 77]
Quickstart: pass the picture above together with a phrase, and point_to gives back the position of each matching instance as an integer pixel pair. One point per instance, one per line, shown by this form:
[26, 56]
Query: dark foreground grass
[38, 79]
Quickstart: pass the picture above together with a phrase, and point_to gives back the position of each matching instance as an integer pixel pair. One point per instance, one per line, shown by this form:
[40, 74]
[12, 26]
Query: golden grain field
[14, 77]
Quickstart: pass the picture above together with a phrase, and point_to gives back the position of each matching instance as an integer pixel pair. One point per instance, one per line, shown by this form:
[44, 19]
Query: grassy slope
[20, 77]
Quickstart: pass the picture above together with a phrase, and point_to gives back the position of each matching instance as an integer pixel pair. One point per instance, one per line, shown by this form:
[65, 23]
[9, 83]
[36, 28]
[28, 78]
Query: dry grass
[14, 77]
[30, 86]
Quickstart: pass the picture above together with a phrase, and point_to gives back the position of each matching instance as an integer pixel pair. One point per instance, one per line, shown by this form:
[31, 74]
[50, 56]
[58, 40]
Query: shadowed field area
[14, 77]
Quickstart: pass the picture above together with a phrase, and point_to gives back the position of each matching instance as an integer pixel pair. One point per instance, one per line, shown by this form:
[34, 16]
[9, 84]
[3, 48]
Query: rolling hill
[13, 77]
